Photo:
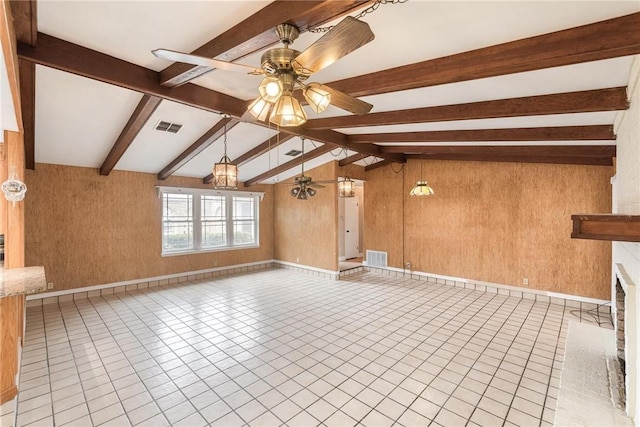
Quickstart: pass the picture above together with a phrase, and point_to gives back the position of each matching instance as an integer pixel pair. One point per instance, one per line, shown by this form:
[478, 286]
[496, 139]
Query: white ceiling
[78, 119]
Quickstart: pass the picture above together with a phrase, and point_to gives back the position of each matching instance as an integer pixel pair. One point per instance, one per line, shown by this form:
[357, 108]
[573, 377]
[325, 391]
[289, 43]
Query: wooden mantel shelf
[623, 228]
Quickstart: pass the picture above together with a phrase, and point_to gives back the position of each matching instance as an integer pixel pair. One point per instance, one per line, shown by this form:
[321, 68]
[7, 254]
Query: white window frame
[197, 221]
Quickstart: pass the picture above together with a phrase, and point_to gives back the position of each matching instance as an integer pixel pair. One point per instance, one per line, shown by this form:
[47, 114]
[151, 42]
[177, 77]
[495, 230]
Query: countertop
[22, 281]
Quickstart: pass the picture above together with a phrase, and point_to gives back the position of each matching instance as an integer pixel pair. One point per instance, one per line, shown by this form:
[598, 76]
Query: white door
[351, 249]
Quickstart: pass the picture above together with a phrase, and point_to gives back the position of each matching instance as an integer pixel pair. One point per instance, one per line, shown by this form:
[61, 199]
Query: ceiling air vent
[168, 127]
[293, 153]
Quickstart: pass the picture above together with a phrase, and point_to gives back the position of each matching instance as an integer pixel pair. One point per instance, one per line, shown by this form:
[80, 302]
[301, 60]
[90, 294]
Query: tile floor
[283, 348]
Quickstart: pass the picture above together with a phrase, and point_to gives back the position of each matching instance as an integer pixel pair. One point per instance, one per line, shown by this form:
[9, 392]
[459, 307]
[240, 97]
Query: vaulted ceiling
[511, 81]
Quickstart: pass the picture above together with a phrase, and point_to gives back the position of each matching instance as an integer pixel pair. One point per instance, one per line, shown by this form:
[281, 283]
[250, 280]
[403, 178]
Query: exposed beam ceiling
[257, 32]
[564, 160]
[602, 40]
[351, 159]
[317, 152]
[75, 59]
[377, 165]
[611, 99]
[562, 133]
[141, 114]
[518, 150]
[255, 152]
[209, 137]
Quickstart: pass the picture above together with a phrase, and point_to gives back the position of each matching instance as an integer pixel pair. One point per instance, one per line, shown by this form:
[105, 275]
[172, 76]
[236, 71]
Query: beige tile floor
[282, 348]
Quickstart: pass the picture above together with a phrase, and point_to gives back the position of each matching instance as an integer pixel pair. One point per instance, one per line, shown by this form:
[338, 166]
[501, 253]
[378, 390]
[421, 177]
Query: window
[208, 220]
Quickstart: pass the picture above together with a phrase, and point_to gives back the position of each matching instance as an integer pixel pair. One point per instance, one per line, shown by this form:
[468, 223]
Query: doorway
[350, 221]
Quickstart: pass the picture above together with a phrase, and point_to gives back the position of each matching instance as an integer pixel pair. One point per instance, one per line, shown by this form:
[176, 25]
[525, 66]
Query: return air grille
[376, 259]
[168, 127]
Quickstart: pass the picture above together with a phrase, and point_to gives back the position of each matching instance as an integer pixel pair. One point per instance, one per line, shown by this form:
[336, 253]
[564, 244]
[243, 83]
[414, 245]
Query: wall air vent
[293, 153]
[168, 127]
[376, 259]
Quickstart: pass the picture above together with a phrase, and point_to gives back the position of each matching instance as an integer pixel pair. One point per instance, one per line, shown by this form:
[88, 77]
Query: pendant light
[346, 187]
[421, 188]
[14, 189]
[225, 173]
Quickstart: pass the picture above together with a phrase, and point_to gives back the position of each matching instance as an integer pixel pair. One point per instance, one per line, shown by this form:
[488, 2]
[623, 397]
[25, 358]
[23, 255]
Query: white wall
[627, 201]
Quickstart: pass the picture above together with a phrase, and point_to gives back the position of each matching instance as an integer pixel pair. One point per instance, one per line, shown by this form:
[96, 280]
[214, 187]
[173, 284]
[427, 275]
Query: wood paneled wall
[494, 222]
[87, 229]
[305, 231]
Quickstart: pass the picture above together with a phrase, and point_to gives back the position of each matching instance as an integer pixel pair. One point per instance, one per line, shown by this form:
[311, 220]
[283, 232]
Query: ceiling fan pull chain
[366, 11]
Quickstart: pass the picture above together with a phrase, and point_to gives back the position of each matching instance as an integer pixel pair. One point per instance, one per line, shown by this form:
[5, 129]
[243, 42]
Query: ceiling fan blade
[315, 185]
[188, 58]
[347, 102]
[347, 36]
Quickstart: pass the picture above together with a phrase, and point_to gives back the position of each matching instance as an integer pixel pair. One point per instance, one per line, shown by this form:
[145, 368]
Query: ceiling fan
[285, 69]
[304, 185]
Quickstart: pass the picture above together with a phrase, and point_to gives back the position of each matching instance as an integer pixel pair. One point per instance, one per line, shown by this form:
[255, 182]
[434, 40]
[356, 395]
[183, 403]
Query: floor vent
[376, 259]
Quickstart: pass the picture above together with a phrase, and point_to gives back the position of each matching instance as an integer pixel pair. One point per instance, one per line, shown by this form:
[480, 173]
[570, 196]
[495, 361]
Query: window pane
[243, 207]
[244, 232]
[213, 208]
[213, 217]
[177, 222]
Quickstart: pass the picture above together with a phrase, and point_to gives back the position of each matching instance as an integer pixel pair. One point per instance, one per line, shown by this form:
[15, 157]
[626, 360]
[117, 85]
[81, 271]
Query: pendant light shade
[260, 109]
[346, 188]
[317, 97]
[225, 173]
[270, 89]
[14, 190]
[421, 189]
[288, 112]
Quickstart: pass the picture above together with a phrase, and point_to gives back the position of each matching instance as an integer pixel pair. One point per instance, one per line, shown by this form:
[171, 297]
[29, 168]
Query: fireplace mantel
[612, 227]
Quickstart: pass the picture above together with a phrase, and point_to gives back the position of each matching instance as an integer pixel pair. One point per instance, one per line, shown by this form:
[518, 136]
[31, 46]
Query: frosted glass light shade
[270, 89]
[259, 109]
[288, 112]
[14, 190]
[225, 174]
[318, 98]
[421, 189]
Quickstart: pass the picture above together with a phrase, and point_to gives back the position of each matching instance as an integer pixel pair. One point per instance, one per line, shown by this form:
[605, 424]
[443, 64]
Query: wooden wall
[494, 222]
[87, 229]
[305, 231]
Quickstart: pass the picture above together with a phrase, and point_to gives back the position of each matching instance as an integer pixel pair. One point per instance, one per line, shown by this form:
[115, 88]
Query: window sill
[204, 251]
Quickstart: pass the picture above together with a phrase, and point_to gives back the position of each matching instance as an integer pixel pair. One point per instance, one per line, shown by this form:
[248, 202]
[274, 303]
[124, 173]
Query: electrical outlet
[525, 281]
[215, 263]
[297, 259]
[407, 266]
[50, 285]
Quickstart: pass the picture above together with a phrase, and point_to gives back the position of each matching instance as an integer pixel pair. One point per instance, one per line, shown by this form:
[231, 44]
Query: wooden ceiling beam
[72, 58]
[352, 159]
[508, 150]
[255, 152]
[317, 152]
[141, 114]
[377, 165]
[607, 39]
[257, 32]
[25, 25]
[340, 139]
[560, 133]
[563, 160]
[588, 101]
[208, 138]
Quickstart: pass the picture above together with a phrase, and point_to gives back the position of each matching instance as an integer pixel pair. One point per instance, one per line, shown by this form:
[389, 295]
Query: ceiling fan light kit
[285, 69]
